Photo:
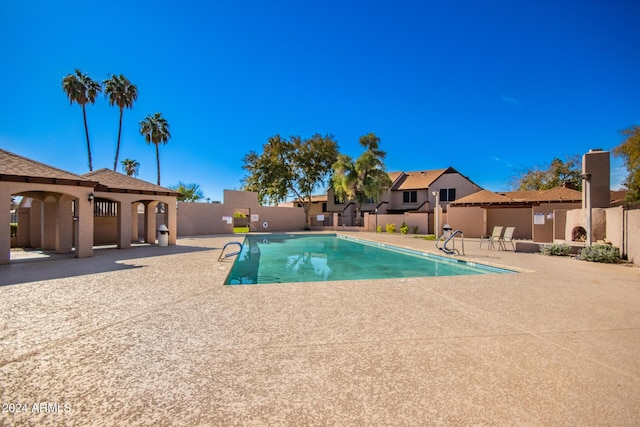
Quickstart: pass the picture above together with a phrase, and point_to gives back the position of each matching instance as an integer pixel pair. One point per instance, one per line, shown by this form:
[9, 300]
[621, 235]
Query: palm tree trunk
[86, 131]
[158, 159]
[115, 162]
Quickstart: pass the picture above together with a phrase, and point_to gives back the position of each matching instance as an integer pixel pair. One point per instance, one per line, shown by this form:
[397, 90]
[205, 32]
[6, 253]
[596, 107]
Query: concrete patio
[151, 336]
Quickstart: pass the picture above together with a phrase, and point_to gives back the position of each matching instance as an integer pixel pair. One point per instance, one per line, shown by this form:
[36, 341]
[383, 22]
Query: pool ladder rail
[230, 254]
[451, 238]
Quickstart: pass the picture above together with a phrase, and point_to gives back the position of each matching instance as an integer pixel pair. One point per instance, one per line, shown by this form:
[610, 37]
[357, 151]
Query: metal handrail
[453, 250]
[223, 255]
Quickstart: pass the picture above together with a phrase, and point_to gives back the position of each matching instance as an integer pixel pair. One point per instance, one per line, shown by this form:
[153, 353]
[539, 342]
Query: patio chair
[507, 237]
[493, 238]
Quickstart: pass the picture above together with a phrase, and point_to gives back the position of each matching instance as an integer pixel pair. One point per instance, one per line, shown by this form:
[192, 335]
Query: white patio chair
[508, 238]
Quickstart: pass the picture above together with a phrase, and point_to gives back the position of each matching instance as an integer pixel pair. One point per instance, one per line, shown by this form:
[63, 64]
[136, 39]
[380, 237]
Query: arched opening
[42, 223]
[578, 234]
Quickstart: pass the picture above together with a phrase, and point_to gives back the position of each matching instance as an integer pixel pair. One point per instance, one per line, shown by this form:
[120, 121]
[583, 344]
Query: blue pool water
[313, 258]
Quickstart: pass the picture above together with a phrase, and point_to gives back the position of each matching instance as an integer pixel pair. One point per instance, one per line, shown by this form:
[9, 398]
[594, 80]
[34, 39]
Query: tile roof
[21, 169]
[111, 181]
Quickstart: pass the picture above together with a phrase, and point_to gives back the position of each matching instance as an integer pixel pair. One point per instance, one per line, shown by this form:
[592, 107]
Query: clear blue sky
[491, 88]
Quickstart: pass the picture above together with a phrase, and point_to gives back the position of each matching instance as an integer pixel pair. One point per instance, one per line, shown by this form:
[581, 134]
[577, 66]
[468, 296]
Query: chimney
[596, 164]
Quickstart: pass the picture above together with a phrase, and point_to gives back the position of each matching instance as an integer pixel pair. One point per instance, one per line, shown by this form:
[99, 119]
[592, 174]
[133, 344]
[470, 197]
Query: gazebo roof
[114, 182]
[16, 168]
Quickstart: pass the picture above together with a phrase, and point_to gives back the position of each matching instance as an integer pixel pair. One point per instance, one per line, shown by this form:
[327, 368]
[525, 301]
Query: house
[410, 192]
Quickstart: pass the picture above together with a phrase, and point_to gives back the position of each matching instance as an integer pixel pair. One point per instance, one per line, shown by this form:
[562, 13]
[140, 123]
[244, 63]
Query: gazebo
[63, 207]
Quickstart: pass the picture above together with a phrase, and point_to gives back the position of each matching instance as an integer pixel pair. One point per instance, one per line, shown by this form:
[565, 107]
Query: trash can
[163, 235]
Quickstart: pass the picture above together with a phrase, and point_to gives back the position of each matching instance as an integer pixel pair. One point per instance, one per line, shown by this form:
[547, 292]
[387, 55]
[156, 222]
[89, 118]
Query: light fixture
[91, 197]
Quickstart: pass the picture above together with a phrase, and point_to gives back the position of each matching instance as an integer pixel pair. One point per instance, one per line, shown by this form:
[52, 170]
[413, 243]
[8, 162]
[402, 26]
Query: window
[336, 200]
[447, 194]
[105, 208]
[370, 200]
[324, 206]
[410, 196]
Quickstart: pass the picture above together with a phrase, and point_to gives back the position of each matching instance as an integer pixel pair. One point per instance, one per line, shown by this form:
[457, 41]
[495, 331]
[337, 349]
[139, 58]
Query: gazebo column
[5, 232]
[150, 222]
[124, 225]
[64, 242]
[171, 216]
[84, 227]
[50, 223]
[134, 222]
[35, 223]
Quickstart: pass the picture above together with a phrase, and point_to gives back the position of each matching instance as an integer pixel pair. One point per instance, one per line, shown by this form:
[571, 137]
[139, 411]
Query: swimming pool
[313, 258]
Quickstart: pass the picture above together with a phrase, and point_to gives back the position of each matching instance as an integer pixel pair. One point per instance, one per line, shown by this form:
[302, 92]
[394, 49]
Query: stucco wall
[544, 232]
[206, 218]
[412, 219]
[578, 218]
[471, 220]
[632, 235]
[520, 218]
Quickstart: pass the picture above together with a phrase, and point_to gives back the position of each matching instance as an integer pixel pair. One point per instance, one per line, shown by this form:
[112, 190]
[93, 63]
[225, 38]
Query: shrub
[379, 229]
[391, 228]
[600, 253]
[415, 229]
[14, 229]
[404, 228]
[556, 249]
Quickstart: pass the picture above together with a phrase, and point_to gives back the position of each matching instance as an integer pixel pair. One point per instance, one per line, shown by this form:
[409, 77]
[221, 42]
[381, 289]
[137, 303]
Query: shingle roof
[485, 197]
[20, 169]
[418, 180]
[111, 181]
[557, 194]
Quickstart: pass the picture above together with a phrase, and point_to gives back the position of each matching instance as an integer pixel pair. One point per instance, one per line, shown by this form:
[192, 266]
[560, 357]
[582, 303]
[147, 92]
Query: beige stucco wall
[632, 235]
[471, 220]
[520, 218]
[412, 219]
[614, 218]
[462, 185]
[578, 218]
[543, 233]
[206, 218]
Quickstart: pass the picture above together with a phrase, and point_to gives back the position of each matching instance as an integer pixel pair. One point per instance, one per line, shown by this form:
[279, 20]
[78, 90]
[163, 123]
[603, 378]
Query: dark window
[448, 194]
[324, 206]
[336, 200]
[410, 197]
[370, 200]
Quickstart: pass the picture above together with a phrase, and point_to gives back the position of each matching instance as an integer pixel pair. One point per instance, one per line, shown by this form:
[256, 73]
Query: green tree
[122, 93]
[130, 167]
[364, 178]
[294, 167]
[558, 173]
[629, 150]
[81, 89]
[188, 192]
[155, 130]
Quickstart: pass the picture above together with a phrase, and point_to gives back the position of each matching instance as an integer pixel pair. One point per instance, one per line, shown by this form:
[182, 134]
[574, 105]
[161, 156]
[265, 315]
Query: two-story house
[411, 192]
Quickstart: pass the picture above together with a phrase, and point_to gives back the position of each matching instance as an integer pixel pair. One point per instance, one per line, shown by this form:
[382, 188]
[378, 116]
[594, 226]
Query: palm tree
[155, 130]
[364, 178]
[122, 93]
[188, 192]
[130, 167]
[81, 89]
